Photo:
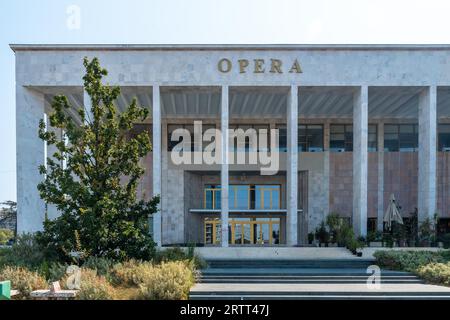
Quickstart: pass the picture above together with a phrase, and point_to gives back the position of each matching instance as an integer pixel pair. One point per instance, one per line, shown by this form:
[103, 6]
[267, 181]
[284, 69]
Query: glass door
[245, 231]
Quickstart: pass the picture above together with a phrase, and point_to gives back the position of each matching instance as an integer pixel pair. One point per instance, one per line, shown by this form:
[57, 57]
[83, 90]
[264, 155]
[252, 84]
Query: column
[224, 166]
[427, 154]
[87, 104]
[156, 144]
[292, 167]
[360, 124]
[326, 169]
[380, 203]
[30, 151]
[52, 210]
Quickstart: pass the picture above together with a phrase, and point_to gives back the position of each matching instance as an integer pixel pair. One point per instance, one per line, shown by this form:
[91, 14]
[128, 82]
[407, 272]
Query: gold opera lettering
[258, 66]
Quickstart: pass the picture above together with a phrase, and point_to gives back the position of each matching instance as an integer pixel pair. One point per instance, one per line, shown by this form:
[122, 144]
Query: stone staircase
[307, 279]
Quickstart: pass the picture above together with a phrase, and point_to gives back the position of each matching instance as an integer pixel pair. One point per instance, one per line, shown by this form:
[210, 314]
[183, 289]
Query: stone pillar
[30, 152]
[427, 154]
[52, 210]
[87, 104]
[380, 149]
[292, 167]
[156, 145]
[360, 131]
[224, 166]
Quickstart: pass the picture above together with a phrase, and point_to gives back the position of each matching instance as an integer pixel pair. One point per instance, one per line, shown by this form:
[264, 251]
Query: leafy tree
[92, 179]
[8, 214]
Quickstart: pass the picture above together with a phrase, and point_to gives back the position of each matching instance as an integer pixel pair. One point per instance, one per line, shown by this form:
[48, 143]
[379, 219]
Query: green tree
[95, 189]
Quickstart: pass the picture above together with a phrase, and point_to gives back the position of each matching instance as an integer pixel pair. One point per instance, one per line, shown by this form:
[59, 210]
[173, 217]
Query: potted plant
[310, 238]
[353, 245]
[399, 234]
[344, 235]
[388, 240]
[426, 233]
[333, 222]
[374, 239]
[322, 234]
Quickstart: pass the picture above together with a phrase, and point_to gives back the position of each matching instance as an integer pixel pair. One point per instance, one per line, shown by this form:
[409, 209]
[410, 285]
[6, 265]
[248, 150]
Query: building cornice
[224, 47]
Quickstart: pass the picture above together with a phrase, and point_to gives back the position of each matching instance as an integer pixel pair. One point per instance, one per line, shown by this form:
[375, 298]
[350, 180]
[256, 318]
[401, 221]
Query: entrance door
[245, 231]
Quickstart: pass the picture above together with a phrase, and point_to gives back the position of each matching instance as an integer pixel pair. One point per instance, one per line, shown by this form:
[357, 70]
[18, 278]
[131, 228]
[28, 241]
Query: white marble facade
[41, 69]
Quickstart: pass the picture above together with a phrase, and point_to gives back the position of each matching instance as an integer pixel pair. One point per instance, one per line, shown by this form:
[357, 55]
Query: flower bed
[432, 266]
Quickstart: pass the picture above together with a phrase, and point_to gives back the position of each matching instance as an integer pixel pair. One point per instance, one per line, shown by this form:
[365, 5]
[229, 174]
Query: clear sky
[203, 21]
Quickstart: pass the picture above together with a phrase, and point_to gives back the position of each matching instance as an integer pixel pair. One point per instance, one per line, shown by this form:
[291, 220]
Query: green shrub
[53, 271]
[25, 252]
[23, 280]
[167, 281]
[92, 286]
[446, 240]
[438, 273]
[129, 273]
[374, 236]
[406, 260]
[5, 235]
[345, 236]
[99, 264]
[178, 254]
[322, 233]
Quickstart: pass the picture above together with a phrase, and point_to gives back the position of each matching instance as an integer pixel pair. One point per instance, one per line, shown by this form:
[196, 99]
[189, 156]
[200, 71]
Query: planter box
[376, 244]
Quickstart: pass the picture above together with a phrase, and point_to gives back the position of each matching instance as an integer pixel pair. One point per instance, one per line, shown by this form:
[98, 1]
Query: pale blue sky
[203, 21]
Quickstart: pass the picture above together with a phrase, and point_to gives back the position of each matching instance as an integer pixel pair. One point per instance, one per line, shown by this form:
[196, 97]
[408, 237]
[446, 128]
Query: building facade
[356, 123]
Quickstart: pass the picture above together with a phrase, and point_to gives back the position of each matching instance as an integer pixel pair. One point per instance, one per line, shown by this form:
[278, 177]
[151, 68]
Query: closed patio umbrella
[392, 213]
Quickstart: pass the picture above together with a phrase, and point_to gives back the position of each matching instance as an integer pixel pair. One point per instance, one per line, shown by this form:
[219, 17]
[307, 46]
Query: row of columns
[30, 108]
[427, 161]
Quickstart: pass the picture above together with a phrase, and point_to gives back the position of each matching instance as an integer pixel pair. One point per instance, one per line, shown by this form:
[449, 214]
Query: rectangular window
[282, 138]
[267, 197]
[247, 146]
[341, 137]
[401, 137]
[244, 197]
[189, 145]
[239, 197]
[212, 196]
[444, 137]
[310, 138]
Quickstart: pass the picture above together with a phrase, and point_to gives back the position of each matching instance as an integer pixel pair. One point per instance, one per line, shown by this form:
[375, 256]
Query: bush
[55, 271]
[407, 260]
[5, 235]
[178, 254]
[345, 236]
[167, 281]
[446, 240]
[374, 236]
[438, 273]
[25, 252]
[129, 273]
[92, 286]
[322, 233]
[99, 264]
[23, 280]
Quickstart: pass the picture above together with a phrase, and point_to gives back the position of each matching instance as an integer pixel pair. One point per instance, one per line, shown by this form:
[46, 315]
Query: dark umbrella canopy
[392, 214]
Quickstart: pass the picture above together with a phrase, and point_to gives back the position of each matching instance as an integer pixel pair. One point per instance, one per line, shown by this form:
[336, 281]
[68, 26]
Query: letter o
[220, 65]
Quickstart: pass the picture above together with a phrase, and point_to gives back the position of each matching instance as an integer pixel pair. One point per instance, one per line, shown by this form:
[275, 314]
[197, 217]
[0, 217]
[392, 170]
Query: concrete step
[398, 296]
[324, 281]
[337, 291]
[293, 279]
[307, 272]
[322, 263]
